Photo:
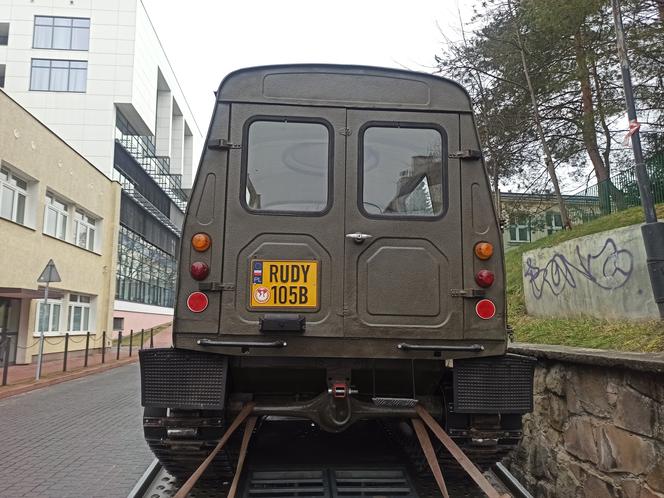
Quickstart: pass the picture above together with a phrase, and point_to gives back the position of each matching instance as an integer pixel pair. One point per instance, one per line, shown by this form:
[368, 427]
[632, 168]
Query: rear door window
[288, 167]
[402, 171]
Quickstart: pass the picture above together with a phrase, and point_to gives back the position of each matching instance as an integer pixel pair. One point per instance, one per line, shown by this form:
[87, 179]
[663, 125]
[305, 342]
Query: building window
[13, 195]
[55, 219]
[554, 222]
[3, 70]
[4, 33]
[48, 317]
[520, 230]
[58, 75]
[78, 318]
[84, 230]
[64, 33]
[145, 273]
[118, 323]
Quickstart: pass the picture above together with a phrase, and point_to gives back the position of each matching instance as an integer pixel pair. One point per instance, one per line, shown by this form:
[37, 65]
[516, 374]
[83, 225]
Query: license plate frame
[280, 284]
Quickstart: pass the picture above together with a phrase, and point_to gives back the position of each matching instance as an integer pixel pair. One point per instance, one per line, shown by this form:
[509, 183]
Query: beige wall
[35, 153]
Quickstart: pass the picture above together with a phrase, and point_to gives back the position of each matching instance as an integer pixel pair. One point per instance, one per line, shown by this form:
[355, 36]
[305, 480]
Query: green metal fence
[619, 192]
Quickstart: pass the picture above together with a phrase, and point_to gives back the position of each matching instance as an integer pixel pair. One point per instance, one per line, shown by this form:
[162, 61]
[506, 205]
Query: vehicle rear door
[284, 237]
[403, 226]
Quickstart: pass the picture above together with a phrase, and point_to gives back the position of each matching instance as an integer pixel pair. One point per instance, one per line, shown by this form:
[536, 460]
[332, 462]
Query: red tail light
[485, 278]
[197, 302]
[199, 270]
[485, 309]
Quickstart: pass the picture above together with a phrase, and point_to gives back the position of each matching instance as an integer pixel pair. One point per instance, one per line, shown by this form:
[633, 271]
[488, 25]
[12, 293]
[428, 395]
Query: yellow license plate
[284, 284]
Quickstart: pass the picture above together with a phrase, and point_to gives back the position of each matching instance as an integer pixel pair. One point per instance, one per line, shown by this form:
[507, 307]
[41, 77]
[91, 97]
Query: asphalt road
[82, 438]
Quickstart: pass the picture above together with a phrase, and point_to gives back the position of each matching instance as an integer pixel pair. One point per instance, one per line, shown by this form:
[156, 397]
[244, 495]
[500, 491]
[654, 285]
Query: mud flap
[177, 378]
[494, 384]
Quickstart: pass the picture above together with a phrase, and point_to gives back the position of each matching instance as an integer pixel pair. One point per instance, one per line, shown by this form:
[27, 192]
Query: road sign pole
[50, 274]
[652, 231]
[41, 332]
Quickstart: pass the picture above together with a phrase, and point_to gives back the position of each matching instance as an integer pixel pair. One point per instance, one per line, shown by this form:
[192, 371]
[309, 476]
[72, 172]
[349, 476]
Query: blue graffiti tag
[609, 269]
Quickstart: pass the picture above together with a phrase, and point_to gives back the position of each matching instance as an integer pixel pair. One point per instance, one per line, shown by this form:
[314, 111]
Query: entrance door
[284, 236]
[403, 226]
[10, 310]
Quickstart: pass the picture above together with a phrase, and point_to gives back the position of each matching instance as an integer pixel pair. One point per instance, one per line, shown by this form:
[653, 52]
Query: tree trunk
[588, 117]
[588, 124]
[496, 192]
[599, 92]
[548, 159]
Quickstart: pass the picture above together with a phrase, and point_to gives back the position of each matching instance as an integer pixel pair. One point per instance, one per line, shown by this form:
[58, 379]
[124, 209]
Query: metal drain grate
[369, 482]
[329, 483]
[287, 483]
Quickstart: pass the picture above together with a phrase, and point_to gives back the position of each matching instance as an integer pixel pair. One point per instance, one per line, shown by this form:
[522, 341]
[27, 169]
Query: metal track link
[181, 440]
[484, 457]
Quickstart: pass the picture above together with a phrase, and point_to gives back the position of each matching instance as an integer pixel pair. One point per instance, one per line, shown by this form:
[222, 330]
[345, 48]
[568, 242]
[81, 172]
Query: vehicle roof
[344, 86]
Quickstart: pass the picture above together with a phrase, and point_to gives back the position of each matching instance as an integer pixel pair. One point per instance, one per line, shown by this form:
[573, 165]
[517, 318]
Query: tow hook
[341, 390]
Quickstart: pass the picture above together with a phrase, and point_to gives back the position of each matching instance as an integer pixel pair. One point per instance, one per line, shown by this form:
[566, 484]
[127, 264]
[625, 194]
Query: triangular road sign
[50, 273]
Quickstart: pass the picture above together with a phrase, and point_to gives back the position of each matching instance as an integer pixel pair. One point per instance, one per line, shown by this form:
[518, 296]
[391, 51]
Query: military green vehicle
[341, 259]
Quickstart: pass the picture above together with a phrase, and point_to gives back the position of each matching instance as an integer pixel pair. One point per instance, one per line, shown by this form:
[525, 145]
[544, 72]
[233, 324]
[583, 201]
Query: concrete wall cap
[644, 362]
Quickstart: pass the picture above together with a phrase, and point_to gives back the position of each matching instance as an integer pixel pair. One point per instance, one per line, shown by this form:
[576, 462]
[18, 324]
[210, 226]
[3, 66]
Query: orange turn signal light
[201, 242]
[483, 250]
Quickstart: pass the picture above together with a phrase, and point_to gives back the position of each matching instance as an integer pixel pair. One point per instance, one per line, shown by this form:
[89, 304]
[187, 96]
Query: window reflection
[287, 166]
[403, 171]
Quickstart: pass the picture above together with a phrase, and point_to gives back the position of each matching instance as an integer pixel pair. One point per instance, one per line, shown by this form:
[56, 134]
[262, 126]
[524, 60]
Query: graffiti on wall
[609, 269]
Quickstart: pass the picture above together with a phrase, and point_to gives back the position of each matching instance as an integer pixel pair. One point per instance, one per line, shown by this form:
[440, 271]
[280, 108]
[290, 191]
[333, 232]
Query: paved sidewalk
[21, 378]
[23, 373]
[77, 439]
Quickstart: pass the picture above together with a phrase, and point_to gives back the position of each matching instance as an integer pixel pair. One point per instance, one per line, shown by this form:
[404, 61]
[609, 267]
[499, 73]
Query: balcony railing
[158, 167]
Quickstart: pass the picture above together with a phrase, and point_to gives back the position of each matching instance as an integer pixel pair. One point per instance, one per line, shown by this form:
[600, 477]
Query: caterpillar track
[287, 459]
[495, 446]
[182, 439]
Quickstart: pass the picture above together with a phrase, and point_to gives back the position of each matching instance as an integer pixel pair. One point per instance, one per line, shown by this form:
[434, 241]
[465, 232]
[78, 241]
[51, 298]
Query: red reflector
[485, 278]
[485, 309]
[197, 302]
[199, 270]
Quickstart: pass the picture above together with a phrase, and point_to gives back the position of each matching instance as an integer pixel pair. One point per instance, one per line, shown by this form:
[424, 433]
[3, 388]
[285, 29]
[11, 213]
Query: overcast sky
[207, 39]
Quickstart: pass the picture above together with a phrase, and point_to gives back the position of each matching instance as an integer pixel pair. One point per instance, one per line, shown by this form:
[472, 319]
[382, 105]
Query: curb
[9, 391]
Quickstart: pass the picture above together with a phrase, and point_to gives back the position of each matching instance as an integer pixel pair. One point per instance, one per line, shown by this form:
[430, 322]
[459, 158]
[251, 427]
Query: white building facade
[96, 74]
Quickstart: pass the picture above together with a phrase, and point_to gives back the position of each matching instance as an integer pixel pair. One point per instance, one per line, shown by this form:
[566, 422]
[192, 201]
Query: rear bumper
[293, 346]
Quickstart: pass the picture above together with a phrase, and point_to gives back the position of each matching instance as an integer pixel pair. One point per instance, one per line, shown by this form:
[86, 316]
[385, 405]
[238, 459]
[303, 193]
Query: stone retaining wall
[598, 425]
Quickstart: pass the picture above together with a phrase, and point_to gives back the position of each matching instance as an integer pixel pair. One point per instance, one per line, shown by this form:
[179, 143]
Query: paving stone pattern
[77, 439]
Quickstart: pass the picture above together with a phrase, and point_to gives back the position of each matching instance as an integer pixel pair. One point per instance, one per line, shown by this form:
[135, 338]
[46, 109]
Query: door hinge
[466, 154]
[345, 132]
[467, 293]
[222, 144]
[215, 287]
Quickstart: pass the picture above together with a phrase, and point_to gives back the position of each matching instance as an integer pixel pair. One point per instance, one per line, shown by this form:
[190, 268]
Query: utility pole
[652, 230]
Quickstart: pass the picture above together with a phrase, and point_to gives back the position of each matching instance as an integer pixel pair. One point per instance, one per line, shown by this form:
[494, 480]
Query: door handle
[358, 238]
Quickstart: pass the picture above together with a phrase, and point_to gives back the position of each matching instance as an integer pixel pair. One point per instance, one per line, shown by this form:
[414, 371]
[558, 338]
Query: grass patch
[582, 332]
